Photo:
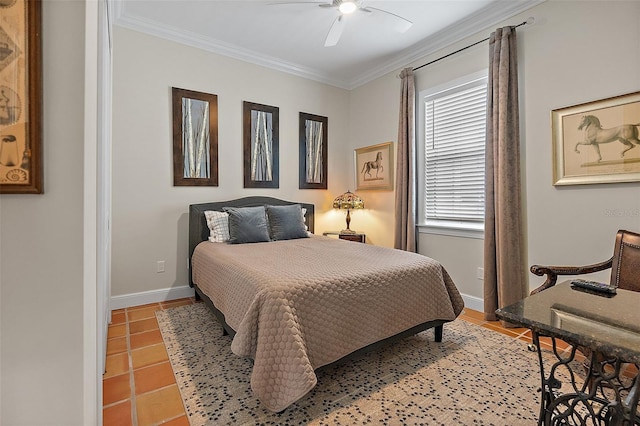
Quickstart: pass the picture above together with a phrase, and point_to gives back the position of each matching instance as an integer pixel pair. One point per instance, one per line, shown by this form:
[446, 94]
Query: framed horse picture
[374, 167]
[597, 142]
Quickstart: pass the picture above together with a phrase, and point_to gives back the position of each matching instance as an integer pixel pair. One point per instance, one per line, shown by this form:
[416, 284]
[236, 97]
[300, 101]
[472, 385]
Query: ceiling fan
[347, 7]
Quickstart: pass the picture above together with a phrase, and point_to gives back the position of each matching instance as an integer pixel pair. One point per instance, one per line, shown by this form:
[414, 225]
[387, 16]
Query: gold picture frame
[374, 167]
[597, 142]
[195, 138]
[21, 159]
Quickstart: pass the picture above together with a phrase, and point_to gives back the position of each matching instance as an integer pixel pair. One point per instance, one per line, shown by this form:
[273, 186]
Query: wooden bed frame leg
[438, 330]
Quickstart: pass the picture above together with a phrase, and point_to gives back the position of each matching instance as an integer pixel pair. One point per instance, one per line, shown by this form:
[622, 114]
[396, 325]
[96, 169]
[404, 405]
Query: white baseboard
[473, 302]
[153, 296]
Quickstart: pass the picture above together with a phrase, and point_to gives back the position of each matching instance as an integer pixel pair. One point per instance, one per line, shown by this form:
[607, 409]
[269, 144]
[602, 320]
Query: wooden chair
[624, 264]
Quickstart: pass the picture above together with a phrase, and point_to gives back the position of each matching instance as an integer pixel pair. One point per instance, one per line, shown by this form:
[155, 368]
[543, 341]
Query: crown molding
[494, 14]
[191, 39]
[464, 28]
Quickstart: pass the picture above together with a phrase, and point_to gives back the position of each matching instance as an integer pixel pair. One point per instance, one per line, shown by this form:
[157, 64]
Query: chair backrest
[625, 270]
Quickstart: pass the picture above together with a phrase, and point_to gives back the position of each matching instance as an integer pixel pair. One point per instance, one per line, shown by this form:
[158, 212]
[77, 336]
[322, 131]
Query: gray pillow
[247, 225]
[286, 222]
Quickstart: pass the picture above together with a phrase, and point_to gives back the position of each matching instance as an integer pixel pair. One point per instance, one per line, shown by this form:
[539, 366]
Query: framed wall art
[195, 138]
[313, 151]
[597, 142]
[260, 145]
[374, 167]
[21, 159]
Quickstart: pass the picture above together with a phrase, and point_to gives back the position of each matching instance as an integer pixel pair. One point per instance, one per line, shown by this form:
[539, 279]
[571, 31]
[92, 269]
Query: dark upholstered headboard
[199, 231]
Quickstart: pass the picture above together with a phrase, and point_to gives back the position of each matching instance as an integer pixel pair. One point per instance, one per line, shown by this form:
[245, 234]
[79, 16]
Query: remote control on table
[594, 285]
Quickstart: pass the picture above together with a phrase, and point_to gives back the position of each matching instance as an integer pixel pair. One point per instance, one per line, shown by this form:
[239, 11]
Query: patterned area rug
[474, 377]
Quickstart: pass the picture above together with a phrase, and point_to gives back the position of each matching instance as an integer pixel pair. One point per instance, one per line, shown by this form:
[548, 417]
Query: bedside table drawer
[359, 238]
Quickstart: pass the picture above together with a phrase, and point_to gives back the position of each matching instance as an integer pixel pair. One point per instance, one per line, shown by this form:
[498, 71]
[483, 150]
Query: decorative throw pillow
[218, 223]
[286, 222]
[247, 224]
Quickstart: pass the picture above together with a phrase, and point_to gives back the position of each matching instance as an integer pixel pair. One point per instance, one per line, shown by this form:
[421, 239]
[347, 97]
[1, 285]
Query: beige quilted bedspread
[297, 305]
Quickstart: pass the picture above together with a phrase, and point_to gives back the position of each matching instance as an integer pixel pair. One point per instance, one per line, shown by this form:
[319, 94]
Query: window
[454, 123]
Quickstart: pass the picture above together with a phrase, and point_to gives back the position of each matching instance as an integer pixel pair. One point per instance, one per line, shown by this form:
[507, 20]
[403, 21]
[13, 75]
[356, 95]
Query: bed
[295, 305]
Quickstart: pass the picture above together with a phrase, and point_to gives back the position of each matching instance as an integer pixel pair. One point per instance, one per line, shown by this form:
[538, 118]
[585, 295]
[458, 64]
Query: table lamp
[348, 201]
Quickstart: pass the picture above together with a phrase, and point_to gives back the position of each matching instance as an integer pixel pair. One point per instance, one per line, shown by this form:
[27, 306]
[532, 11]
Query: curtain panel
[504, 262]
[405, 197]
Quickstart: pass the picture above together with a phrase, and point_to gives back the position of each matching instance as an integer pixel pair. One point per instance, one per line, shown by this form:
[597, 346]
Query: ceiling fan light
[347, 7]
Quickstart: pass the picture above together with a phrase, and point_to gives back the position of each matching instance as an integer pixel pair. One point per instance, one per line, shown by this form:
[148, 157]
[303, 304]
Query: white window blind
[455, 122]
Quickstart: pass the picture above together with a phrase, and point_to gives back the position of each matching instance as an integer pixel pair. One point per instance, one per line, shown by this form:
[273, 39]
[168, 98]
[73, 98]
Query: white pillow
[218, 223]
[304, 218]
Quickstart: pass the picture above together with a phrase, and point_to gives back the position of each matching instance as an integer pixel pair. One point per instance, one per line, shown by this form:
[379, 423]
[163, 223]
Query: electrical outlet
[160, 267]
[480, 274]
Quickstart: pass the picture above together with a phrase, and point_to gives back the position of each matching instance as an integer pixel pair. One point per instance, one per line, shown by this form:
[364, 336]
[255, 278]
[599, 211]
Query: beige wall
[150, 220]
[41, 239]
[374, 119]
[577, 51]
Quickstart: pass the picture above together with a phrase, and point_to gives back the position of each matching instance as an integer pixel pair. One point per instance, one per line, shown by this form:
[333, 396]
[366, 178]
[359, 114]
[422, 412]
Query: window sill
[453, 229]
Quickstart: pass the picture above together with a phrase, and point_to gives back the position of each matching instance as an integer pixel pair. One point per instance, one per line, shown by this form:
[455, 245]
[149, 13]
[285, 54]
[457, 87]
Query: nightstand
[357, 237]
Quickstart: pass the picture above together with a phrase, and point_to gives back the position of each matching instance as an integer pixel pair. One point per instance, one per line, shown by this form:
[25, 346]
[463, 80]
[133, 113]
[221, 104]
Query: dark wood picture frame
[261, 153]
[192, 138]
[21, 162]
[306, 157]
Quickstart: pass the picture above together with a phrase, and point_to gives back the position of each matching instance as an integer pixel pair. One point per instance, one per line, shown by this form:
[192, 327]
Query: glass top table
[606, 329]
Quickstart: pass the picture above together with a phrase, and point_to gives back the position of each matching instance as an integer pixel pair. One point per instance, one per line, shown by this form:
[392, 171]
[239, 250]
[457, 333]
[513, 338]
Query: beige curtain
[405, 215]
[504, 267]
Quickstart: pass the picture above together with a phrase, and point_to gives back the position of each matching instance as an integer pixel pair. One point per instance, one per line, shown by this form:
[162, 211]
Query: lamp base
[348, 231]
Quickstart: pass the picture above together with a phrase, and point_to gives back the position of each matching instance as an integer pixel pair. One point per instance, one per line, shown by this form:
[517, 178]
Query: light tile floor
[139, 387]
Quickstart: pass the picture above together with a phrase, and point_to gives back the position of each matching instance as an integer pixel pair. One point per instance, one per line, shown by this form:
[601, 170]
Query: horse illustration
[376, 165]
[595, 135]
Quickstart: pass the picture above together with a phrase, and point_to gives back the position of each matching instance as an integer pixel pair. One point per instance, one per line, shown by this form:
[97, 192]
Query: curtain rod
[527, 22]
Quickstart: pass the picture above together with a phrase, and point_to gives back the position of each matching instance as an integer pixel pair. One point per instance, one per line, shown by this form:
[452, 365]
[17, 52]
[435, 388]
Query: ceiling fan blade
[335, 32]
[402, 24]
